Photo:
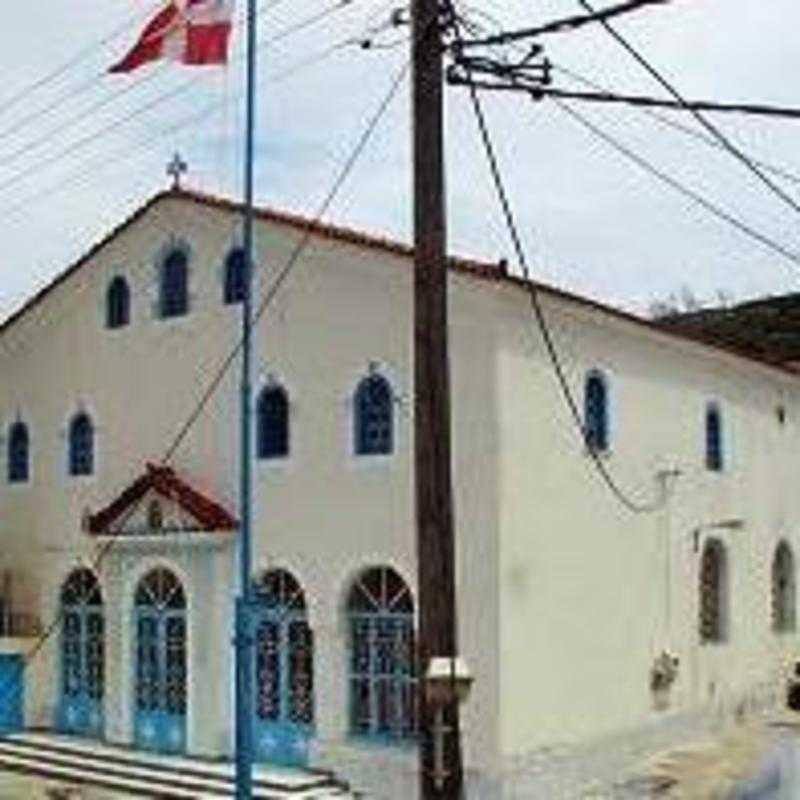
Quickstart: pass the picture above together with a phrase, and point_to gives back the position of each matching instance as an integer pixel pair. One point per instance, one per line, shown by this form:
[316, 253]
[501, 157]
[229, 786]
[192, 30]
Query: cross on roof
[175, 169]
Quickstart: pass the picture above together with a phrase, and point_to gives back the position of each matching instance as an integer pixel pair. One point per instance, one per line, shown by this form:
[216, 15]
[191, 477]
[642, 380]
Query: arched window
[81, 445]
[235, 274]
[18, 453]
[118, 303]
[383, 701]
[174, 299]
[595, 412]
[273, 423]
[713, 592]
[783, 590]
[715, 458]
[373, 417]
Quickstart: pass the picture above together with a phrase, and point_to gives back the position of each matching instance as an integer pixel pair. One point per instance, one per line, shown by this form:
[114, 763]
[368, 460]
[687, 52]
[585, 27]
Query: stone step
[83, 762]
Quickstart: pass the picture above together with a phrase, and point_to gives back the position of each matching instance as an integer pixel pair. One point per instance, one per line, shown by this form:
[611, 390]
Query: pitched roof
[483, 270]
[768, 328]
[209, 515]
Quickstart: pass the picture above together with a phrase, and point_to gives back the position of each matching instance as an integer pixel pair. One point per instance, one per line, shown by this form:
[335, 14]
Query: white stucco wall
[590, 592]
[562, 594]
[322, 513]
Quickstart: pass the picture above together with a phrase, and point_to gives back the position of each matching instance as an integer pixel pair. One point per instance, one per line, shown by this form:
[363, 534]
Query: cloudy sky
[79, 150]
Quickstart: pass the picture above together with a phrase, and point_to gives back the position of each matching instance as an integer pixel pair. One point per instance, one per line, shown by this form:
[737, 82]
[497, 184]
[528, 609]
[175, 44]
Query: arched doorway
[80, 705]
[160, 681]
[283, 667]
[383, 686]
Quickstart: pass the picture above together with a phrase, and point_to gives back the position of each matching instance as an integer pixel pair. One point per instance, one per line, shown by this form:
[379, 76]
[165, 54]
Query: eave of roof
[209, 515]
[478, 269]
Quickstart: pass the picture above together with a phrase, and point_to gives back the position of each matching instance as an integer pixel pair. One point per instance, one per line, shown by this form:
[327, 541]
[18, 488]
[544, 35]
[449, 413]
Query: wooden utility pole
[434, 496]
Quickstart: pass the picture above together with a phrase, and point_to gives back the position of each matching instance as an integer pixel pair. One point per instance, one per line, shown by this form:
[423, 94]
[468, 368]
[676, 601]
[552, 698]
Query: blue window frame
[18, 453]
[595, 412]
[174, 298]
[118, 303]
[81, 445]
[373, 417]
[383, 685]
[715, 456]
[235, 274]
[272, 414]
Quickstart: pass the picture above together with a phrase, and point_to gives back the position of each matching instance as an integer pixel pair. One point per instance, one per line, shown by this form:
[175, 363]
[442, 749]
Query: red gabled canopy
[209, 515]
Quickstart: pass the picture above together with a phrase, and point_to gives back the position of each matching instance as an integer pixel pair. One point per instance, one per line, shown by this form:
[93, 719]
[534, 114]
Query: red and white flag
[192, 32]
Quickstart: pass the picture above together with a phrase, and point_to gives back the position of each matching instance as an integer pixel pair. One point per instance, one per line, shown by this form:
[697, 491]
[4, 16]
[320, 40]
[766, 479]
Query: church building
[606, 583]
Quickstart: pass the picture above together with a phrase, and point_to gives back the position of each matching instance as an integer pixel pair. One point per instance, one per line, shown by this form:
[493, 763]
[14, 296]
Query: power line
[151, 141]
[539, 315]
[567, 24]
[710, 127]
[668, 179]
[663, 119]
[182, 88]
[23, 94]
[279, 281]
[81, 88]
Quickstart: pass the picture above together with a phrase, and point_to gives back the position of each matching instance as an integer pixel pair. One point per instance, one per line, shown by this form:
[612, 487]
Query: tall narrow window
[81, 445]
[595, 421]
[373, 417]
[174, 300]
[273, 423]
[18, 453]
[783, 590]
[713, 592]
[715, 459]
[383, 702]
[235, 284]
[118, 303]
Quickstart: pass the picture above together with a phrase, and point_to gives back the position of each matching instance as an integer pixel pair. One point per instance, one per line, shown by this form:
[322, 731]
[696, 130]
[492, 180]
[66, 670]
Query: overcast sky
[84, 149]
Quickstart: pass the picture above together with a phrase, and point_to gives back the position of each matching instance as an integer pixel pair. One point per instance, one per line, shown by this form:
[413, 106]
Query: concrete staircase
[85, 763]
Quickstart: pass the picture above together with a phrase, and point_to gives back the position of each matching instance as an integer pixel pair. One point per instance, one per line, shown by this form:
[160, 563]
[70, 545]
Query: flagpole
[244, 640]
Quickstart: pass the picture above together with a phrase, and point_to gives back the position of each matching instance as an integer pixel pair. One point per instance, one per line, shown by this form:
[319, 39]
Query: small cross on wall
[175, 169]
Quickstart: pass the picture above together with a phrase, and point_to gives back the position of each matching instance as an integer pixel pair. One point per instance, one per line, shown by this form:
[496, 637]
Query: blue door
[160, 680]
[12, 693]
[283, 665]
[80, 706]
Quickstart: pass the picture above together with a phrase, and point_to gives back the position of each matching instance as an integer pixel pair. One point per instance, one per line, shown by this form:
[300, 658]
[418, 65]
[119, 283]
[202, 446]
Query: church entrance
[80, 705]
[160, 682]
[283, 665]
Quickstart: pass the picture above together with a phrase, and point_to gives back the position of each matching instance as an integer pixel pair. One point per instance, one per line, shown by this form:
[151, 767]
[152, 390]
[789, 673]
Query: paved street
[779, 776]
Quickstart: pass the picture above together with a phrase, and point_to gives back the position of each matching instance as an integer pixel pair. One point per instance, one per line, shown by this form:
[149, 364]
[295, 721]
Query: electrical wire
[789, 255]
[735, 151]
[115, 126]
[151, 141]
[280, 279]
[602, 469]
[81, 55]
[565, 25]
[663, 119]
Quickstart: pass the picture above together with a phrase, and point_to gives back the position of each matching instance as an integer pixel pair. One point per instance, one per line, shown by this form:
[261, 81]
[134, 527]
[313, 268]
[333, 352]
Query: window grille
[374, 418]
[596, 412]
[118, 303]
[273, 423]
[383, 684]
[18, 453]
